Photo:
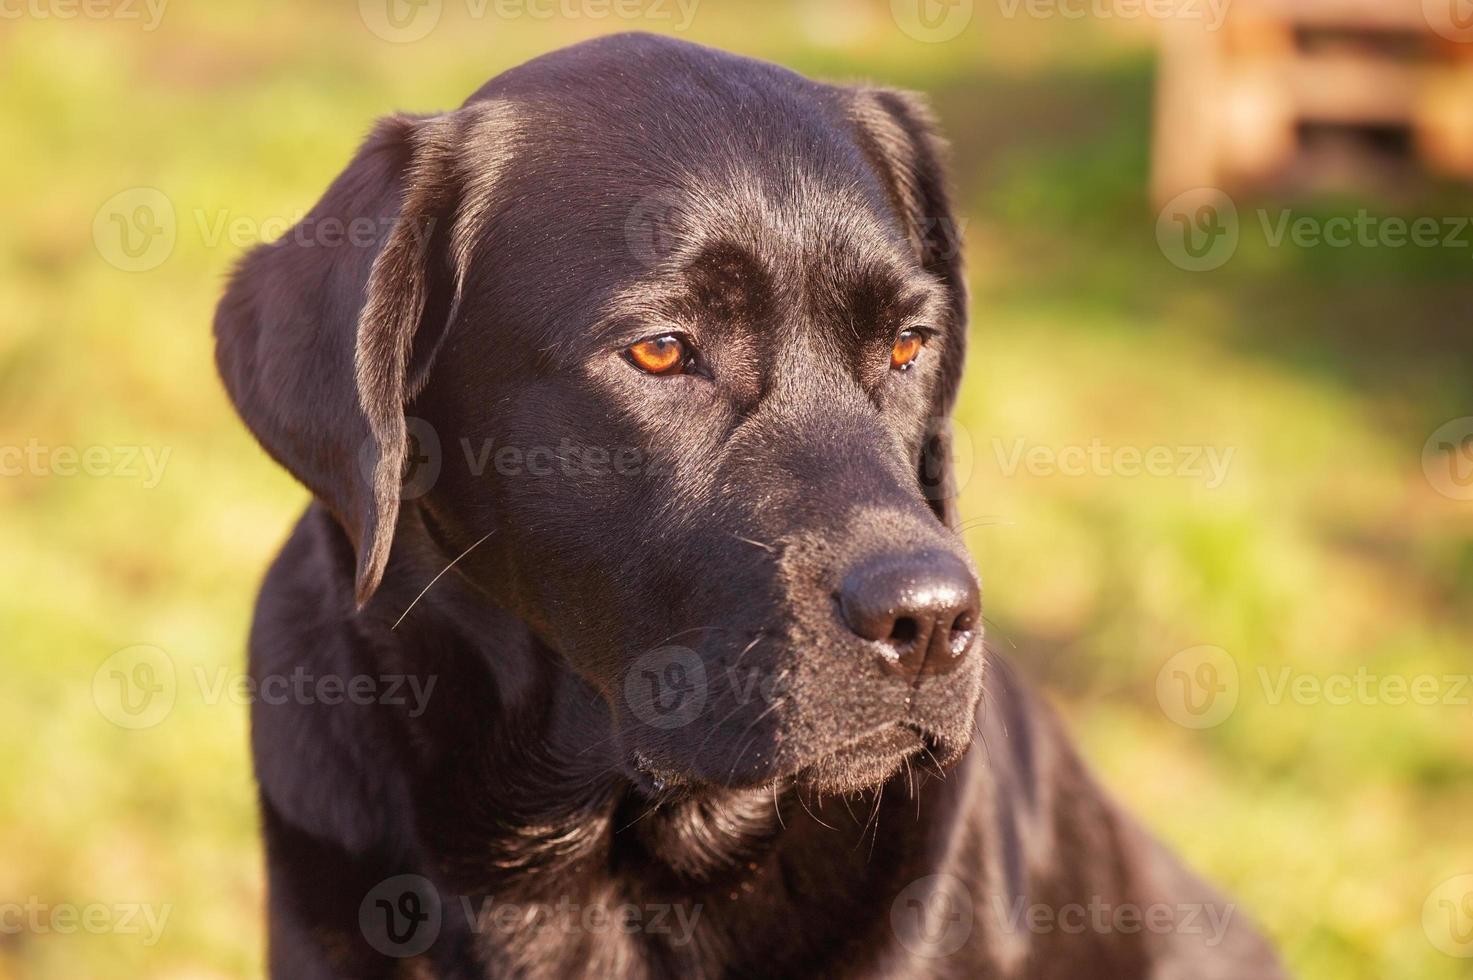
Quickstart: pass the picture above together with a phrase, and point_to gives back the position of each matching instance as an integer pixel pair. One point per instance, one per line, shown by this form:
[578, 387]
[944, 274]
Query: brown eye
[907, 348]
[666, 354]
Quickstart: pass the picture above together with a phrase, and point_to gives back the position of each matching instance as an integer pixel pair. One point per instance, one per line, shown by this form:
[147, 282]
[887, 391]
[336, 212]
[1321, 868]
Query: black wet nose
[922, 609]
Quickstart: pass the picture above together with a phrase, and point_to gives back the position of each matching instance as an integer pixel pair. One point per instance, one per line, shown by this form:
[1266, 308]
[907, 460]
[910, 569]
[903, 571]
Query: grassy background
[1325, 550]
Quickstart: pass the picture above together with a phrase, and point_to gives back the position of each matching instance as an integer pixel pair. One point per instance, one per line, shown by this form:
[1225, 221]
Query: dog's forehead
[794, 240]
[818, 257]
[731, 187]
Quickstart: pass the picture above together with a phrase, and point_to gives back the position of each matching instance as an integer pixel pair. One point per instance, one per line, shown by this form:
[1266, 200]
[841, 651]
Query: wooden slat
[1402, 15]
[1353, 90]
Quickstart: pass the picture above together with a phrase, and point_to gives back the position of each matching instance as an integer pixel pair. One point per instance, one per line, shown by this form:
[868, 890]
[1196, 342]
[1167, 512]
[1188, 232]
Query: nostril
[904, 631]
[961, 634]
[921, 608]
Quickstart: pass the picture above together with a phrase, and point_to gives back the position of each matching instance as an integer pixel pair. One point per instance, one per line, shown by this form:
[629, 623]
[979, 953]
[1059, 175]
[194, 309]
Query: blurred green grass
[1323, 371]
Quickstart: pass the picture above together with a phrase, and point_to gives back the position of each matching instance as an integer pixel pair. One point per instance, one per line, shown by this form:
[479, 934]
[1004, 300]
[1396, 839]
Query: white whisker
[438, 577]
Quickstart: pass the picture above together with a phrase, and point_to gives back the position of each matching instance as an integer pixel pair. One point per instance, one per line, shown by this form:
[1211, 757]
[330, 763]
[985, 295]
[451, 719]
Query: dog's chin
[863, 763]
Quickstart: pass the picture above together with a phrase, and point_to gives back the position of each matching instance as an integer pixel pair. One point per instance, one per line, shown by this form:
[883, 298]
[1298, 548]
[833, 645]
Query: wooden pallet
[1243, 103]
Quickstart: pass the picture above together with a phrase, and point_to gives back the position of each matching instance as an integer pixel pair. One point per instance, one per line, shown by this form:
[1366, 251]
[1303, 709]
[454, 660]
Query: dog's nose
[922, 609]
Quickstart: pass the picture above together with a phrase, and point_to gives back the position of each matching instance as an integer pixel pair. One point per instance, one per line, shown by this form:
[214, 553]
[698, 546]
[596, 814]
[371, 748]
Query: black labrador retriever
[629, 634]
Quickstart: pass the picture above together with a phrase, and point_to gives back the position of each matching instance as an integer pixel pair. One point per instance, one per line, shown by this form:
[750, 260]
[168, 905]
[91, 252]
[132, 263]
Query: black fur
[454, 393]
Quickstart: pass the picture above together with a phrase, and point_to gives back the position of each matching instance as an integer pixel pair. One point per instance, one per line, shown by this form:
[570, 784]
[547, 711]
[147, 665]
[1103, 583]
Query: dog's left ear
[899, 134]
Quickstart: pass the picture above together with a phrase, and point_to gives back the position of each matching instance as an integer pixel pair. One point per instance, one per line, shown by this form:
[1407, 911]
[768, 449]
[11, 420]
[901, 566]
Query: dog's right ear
[900, 135]
[324, 334]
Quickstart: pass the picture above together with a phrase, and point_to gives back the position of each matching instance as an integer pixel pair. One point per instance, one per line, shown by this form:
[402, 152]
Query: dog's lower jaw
[712, 834]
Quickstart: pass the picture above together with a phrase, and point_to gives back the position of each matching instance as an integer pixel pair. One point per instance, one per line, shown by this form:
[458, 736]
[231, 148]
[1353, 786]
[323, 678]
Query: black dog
[628, 635]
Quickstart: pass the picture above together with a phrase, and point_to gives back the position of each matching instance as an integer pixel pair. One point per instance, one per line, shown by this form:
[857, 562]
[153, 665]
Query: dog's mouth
[870, 760]
[861, 763]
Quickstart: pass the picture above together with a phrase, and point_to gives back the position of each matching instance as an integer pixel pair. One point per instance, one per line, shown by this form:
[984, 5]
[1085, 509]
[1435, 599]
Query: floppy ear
[324, 334]
[899, 134]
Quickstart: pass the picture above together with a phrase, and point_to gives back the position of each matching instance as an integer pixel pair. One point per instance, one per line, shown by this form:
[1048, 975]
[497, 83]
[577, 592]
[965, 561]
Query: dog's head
[659, 343]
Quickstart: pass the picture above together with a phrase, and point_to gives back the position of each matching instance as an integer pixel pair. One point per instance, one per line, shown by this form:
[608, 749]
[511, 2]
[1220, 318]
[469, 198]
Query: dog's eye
[907, 348]
[665, 354]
